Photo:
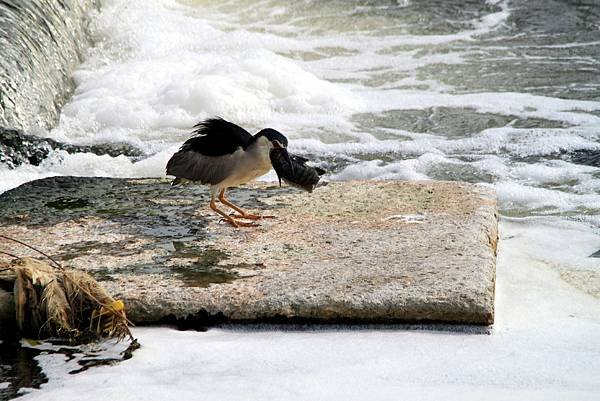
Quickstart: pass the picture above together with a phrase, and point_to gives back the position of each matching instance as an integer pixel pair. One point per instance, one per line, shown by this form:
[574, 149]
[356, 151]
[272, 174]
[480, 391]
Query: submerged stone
[17, 148]
[362, 251]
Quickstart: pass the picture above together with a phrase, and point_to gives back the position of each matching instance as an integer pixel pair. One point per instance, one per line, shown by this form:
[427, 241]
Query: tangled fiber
[64, 303]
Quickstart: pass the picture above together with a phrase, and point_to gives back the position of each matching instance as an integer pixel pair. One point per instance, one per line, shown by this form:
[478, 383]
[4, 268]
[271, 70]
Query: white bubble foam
[516, 196]
[543, 347]
[409, 170]
[141, 84]
[552, 172]
[376, 169]
[61, 163]
[12, 178]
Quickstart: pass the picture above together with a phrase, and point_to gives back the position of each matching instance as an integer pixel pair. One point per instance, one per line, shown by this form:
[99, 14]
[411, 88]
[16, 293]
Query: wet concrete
[369, 252]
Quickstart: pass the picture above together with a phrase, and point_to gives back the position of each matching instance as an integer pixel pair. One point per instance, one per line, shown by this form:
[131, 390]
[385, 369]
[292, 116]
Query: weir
[41, 41]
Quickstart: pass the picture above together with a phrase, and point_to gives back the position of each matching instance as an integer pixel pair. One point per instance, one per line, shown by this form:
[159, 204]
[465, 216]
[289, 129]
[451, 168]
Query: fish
[294, 169]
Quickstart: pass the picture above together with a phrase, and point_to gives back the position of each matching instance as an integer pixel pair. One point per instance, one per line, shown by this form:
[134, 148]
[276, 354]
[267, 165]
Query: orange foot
[229, 219]
[250, 216]
[238, 224]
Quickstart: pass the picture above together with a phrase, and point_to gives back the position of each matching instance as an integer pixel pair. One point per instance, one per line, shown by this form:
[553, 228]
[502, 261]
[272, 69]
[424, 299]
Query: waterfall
[41, 41]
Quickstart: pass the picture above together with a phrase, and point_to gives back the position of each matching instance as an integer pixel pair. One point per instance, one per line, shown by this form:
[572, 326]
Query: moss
[204, 270]
[68, 203]
[200, 275]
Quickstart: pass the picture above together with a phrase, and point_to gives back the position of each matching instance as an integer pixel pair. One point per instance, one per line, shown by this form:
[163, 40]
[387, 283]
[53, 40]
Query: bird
[222, 154]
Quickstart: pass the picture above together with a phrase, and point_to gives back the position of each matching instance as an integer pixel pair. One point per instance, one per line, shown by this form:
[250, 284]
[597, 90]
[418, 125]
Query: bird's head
[279, 145]
[277, 139]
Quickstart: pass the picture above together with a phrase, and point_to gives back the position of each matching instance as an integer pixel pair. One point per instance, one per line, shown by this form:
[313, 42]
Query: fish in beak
[281, 160]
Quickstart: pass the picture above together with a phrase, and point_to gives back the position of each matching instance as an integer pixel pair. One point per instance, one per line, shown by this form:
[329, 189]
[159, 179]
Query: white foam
[543, 347]
[515, 196]
[553, 172]
[61, 163]
[534, 240]
[410, 170]
[141, 84]
[502, 141]
[12, 178]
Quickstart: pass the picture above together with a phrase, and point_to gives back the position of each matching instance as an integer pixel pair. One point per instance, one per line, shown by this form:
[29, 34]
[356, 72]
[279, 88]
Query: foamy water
[502, 92]
[543, 346]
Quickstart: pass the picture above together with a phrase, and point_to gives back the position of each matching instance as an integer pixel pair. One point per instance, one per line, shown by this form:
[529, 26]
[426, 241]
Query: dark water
[18, 369]
[20, 372]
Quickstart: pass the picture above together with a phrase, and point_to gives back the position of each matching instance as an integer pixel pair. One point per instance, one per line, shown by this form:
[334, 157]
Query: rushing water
[41, 41]
[500, 92]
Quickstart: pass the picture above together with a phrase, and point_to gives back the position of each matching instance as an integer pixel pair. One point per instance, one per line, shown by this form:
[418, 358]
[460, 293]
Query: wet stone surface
[137, 217]
[374, 252]
[17, 148]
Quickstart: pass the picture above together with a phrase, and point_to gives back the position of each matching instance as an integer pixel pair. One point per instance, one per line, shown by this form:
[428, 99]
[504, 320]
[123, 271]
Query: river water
[505, 93]
[502, 92]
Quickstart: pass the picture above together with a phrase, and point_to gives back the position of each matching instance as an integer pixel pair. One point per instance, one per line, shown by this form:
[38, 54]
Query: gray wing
[194, 166]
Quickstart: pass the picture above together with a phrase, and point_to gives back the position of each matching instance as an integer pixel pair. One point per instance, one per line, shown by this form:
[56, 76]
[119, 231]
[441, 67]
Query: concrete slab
[363, 251]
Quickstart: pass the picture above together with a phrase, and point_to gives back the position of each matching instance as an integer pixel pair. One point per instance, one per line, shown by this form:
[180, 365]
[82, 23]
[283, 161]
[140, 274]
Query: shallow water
[500, 92]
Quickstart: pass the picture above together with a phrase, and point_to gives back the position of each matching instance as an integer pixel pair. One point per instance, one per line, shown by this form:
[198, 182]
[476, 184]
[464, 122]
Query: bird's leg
[242, 213]
[228, 218]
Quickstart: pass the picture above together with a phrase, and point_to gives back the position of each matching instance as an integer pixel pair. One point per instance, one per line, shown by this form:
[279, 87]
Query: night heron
[222, 155]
